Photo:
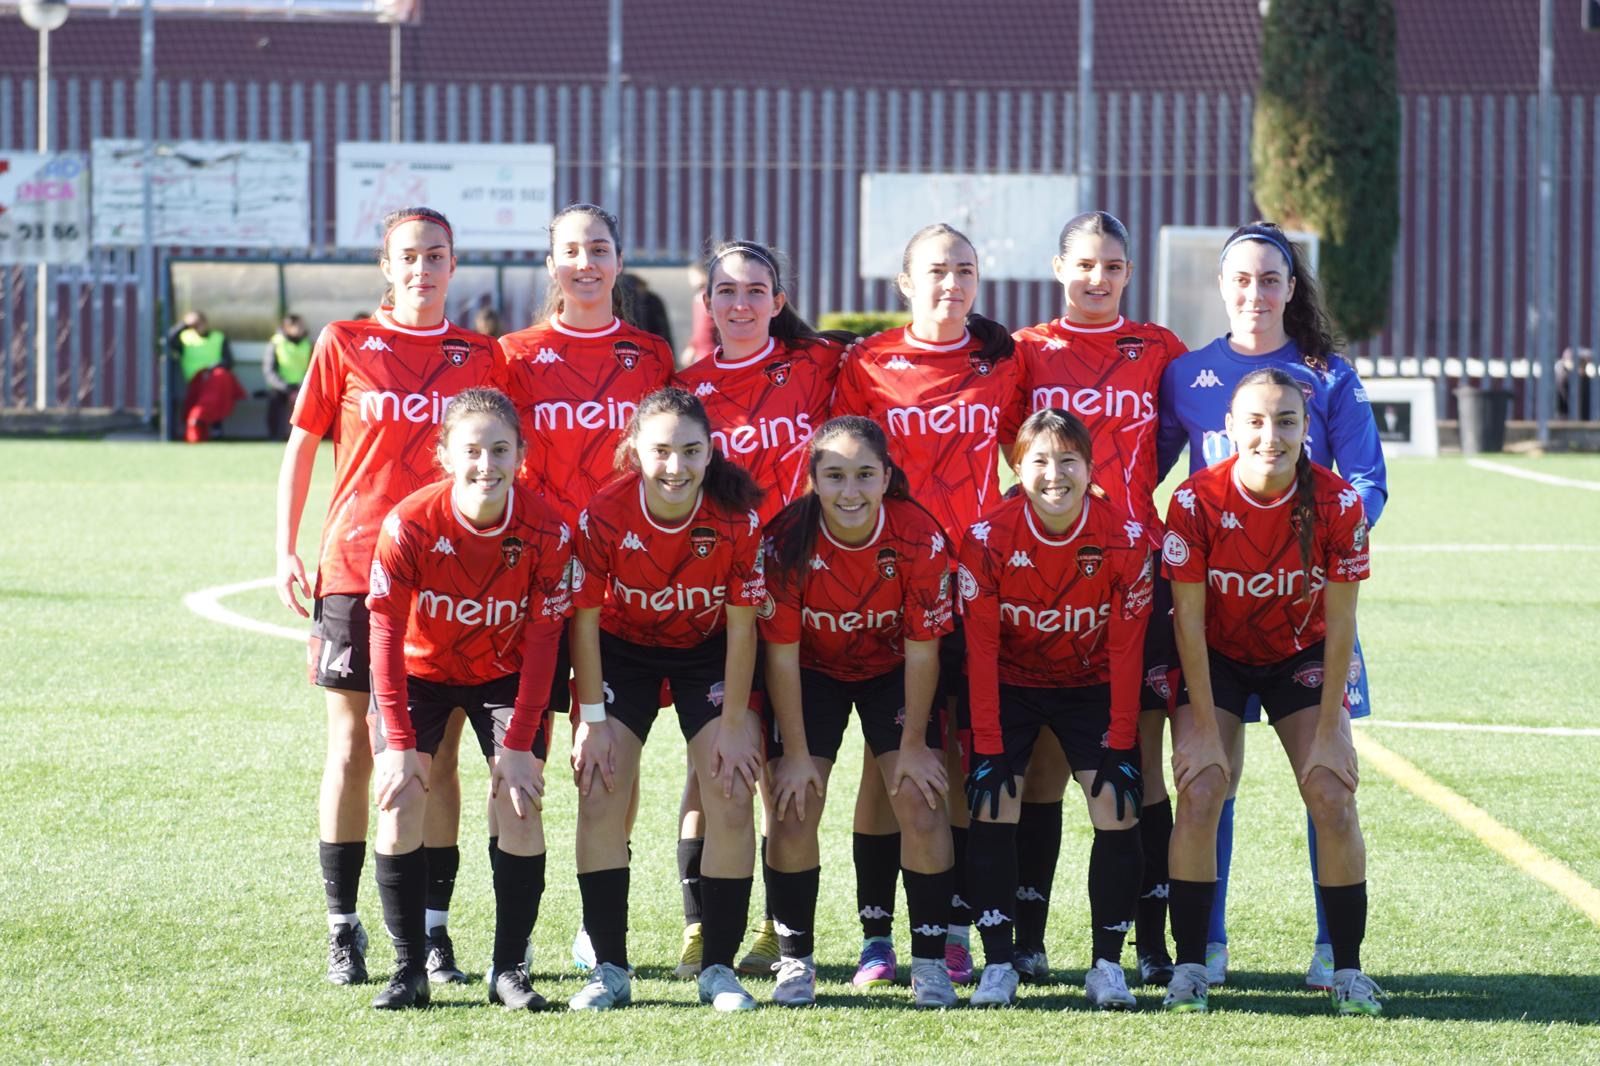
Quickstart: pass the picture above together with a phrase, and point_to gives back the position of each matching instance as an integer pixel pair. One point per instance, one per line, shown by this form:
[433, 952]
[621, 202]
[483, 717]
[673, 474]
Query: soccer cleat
[1216, 964]
[347, 954]
[1155, 969]
[877, 965]
[407, 988]
[958, 962]
[721, 988]
[512, 990]
[997, 987]
[1353, 992]
[797, 983]
[582, 950]
[442, 968]
[689, 958]
[609, 986]
[931, 985]
[1106, 987]
[1319, 975]
[764, 953]
[1032, 966]
[1188, 990]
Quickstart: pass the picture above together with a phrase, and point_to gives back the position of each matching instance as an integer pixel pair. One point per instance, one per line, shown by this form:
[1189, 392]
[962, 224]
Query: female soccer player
[668, 580]
[469, 588]
[1264, 550]
[859, 586]
[1275, 319]
[766, 388]
[1056, 585]
[379, 386]
[1106, 370]
[941, 388]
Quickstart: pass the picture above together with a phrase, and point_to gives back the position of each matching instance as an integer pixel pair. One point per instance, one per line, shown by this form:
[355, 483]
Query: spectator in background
[703, 332]
[283, 367]
[1574, 371]
[643, 308]
[486, 320]
[206, 361]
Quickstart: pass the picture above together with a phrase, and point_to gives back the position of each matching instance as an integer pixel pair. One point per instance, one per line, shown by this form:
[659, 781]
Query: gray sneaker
[609, 986]
[1354, 992]
[997, 987]
[1188, 990]
[721, 988]
[1032, 967]
[1106, 987]
[1319, 975]
[931, 985]
[1216, 964]
[797, 982]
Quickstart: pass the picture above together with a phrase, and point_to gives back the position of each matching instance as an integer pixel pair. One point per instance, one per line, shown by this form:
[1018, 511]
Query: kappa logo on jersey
[391, 526]
[375, 344]
[818, 563]
[583, 521]
[1020, 558]
[966, 583]
[627, 353]
[1230, 520]
[1174, 549]
[936, 545]
[980, 532]
[456, 350]
[566, 535]
[1055, 344]
[886, 563]
[1309, 675]
[702, 539]
[777, 373]
[755, 524]
[1185, 498]
[1134, 530]
[1348, 498]
[705, 388]
[444, 547]
[548, 355]
[898, 362]
[511, 551]
[1090, 559]
[980, 365]
[1131, 347]
[631, 540]
[378, 581]
[1206, 379]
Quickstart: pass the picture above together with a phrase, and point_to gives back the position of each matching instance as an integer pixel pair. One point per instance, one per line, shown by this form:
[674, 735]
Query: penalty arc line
[1533, 475]
[207, 604]
[1501, 839]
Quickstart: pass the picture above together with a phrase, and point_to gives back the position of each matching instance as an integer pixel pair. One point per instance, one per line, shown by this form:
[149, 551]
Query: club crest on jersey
[1358, 540]
[966, 584]
[378, 581]
[701, 540]
[1157, 680]
[777, 373]
[887, 561]
[980, 365]
[1309, 675]
[511, 551]
[767, 607]
[1090, 559]
[1130, 347]
[456, 350]
[627, 353]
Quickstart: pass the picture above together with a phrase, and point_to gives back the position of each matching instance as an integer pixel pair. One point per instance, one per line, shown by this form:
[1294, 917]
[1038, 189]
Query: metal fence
[784, 166]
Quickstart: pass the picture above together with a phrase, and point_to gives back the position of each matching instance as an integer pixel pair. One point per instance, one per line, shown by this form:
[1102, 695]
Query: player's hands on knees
[1334, 750]
[793, 775]
[291, 575]
[924, 768]
[399, 769]
[989, 774]
[1193, 753]
[522, 775]
[1119, 769]
[594, 756]
[736, 751]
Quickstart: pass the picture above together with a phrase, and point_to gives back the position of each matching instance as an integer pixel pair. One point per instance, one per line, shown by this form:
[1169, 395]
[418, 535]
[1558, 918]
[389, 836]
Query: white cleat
[1106, 987]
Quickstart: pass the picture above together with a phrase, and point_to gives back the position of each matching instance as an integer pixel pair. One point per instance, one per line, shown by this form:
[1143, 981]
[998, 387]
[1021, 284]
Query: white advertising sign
[44, 208]
[498, 198]
[223, 194]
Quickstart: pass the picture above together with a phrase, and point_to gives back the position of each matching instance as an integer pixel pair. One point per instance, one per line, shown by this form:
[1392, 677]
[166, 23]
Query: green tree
[1327, 145]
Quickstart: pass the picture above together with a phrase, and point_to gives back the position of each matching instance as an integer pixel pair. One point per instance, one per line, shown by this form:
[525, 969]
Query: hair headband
[1265, 238]
[417, 217]
[749, 250]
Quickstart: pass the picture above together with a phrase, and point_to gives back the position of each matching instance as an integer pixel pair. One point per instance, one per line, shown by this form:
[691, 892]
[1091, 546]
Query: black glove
[987, 777]
[1119, 768]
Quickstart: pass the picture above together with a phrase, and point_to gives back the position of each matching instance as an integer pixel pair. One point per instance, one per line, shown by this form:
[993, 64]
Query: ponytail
[730, 485]
[1304, 320]
[994, 340]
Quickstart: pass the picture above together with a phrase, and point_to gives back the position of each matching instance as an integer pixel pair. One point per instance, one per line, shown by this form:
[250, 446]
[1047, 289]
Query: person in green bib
[283, 366]
[210, 389]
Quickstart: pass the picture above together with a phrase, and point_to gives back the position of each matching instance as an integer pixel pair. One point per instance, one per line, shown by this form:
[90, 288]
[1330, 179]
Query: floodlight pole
[613, 108]
[1086, 109]
[394, 82]
[148, 364]
[41, 339]
[1543, 307]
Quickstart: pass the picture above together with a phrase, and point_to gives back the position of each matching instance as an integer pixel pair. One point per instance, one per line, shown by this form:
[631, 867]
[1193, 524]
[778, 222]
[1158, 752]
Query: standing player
[1264, 550]
[378, 387]
[666, 590]
[469, 588]
[859, 582]
[1105, 369]
[941, 387]
[1056, 585]
[1275, 319]
[765, 388]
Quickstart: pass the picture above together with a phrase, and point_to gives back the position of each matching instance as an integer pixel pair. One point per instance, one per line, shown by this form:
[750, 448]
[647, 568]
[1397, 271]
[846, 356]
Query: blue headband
[1277, 242]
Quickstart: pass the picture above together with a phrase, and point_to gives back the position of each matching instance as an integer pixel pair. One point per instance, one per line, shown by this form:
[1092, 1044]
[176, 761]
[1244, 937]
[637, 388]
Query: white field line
[1533, 475]
[1477, 727]
[1501, 839]
[207, 603]
[1457, 549]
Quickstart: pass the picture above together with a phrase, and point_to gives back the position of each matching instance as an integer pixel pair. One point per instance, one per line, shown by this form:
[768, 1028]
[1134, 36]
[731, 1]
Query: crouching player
[469, 590]
[1056, 584]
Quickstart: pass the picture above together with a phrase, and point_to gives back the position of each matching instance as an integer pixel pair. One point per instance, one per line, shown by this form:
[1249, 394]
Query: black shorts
[633, 674]
[339, 654]
[1283, 688]
[1160, 652]
[561, 680]
[488, 707]
[1079, 717]
[880, 703]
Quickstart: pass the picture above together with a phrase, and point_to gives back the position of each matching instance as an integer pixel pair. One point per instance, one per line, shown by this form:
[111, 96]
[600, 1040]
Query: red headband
[416, 217]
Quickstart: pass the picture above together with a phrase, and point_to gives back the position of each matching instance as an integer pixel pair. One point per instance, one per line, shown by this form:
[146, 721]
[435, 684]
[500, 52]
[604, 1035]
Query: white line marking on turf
[1533, 475]
[1446, 549]
[207, 604]
[1478, 727]
[1502, 840]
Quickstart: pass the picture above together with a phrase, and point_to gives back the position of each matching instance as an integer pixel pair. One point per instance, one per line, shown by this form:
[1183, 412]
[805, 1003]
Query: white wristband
[592, 712]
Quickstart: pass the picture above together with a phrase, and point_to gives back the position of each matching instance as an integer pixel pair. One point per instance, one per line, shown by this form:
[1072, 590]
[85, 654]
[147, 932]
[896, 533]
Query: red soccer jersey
[467, 593]
[942, 408]
[380, 389]
[764, 409]
[853, 607]
[659, 585]
[1109, 377]
[1248, 554]
[576, 390]
[1045, 611]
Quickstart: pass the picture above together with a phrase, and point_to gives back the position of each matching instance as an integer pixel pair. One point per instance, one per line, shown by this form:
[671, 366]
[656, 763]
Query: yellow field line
[1502, 840]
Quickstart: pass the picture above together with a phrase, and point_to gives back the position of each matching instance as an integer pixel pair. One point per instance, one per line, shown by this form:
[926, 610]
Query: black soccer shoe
[407, 988]
[347, 954]
[512, 990]
[442, 968]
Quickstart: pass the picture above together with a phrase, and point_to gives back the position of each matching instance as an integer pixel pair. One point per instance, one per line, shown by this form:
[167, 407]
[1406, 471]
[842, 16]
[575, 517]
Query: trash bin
[1482, 415]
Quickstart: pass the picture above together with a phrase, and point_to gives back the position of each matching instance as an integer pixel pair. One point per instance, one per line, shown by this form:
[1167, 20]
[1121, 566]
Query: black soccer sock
[727, 903]
[605, 913]
[1347, 922]
[928, 901]
[689, 851]
[793, 897]
[1191, 914]
[960, 907]
[341, 873]
[1038, 848]
[1155, 836]
[1115, 863]
[442, 866]
[877, 868]
[518, 887]
[403, 888]
[766, 892]
[494, 849]
[992, 875]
